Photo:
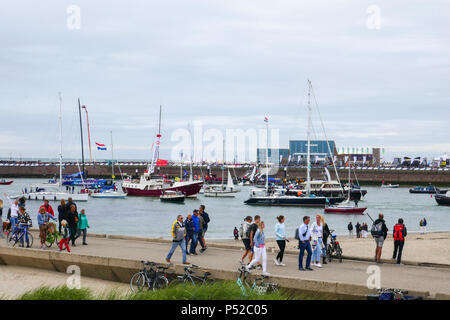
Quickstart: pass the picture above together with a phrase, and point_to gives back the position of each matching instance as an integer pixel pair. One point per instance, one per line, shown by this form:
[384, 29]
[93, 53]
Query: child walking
[65, 237]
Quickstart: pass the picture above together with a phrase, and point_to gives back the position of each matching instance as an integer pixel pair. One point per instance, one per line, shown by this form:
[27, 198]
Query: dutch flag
[100, 146]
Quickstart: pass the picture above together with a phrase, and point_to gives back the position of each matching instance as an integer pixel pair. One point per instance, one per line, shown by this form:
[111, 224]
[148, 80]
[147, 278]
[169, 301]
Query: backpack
[377, 229]
[297, 235]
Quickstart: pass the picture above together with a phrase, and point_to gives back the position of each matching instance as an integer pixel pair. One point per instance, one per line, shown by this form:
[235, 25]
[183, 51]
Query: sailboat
[346, 207]
[222, 191]
[110, 193]
[302, 199]
[52, 191]
[151, 185]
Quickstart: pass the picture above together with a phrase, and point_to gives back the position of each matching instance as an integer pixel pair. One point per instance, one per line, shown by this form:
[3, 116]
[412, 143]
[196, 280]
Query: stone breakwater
[410, 176]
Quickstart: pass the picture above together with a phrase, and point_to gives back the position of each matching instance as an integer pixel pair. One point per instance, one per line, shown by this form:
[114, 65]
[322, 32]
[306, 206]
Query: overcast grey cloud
[229, 64]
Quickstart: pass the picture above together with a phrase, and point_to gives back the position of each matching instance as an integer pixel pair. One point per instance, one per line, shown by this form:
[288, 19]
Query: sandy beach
[433, 247]
[15, 281]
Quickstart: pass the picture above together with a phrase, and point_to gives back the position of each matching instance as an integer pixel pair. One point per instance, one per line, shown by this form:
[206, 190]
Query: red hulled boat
[5, 183]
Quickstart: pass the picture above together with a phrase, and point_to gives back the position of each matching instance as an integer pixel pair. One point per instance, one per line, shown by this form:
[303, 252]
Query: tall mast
[89, 133]
[112, 157]
[60, 141]
[308, 156]
[223, 165]
[156, 146]
[267, 154]
[81, 132]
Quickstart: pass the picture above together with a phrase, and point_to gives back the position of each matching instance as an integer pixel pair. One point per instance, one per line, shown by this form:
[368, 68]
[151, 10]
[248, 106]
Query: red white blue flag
[266, 119]
[100, 146]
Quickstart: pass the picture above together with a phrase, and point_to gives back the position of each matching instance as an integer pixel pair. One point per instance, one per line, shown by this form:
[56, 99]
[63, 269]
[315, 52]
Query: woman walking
[62, 215]
[317, 236]
[325, 234]
[82, 226]
[280, 233]
[260, 249]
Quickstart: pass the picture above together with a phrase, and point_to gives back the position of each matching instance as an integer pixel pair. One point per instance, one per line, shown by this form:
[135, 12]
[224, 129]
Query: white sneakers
[276, 262]
[317, 265]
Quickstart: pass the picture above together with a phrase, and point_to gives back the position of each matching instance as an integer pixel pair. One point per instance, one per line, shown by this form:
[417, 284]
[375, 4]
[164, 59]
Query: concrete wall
[121, 270]
[365, 176]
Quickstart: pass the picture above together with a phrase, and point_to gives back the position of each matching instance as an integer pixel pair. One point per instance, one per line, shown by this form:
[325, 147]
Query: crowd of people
[189, 231]
[71, 224]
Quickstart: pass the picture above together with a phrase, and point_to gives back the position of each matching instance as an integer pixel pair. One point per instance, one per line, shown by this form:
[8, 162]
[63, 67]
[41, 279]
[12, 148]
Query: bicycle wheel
[339, 253]
[11, 239]
[49, 239]
[160, 283]
[30, 239]
[208, 281]
[137, 282]
[177, 282]
[329, 254]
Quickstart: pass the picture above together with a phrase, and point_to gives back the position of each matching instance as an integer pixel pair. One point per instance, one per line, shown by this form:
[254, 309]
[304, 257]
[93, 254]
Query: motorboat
[389, 185]
[263, 198]
[4, 182]
[428, 190]
[172, 196]
[109, 194]
[42, 192]
[443, 199]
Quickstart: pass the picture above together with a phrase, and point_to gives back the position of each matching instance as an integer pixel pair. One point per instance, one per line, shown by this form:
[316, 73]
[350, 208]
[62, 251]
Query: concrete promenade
[116, 258]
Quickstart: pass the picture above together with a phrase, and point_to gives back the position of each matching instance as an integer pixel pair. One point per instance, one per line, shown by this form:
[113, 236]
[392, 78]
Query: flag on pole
[266, 119]
[101, 146]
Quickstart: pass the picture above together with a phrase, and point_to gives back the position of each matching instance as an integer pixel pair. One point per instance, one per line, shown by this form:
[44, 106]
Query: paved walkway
[413, 278]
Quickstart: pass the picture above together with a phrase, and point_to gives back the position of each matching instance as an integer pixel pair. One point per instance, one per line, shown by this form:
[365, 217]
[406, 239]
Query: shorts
[379, 241]
[247, 244]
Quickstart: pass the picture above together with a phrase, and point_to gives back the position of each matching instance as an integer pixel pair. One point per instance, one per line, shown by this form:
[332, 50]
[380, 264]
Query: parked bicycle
[392, 294]
[334, 248]
[52, 235]
[190, 278]
[20, 235]
[151, 277]
[259, 285]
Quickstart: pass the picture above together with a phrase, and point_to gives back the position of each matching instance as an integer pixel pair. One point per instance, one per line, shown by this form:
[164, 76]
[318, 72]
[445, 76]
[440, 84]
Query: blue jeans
[189, 236]
[182, 245]
[194, 242]
[199, 237]
[304, 246]
[317, 251]
[13, 221]
[23, 228]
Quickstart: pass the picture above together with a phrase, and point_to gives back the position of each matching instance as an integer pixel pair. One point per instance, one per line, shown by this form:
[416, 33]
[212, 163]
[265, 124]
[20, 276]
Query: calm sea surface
[149, 217]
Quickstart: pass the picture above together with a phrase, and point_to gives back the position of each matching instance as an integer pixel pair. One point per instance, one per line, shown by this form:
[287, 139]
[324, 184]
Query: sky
[380, 72]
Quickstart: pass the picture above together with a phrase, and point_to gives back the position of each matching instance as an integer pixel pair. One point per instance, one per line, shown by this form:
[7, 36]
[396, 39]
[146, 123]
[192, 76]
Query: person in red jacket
[399, 240]
[48, 208]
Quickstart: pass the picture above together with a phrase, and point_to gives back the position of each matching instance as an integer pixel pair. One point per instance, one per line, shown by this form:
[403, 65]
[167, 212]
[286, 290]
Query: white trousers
[259, 253]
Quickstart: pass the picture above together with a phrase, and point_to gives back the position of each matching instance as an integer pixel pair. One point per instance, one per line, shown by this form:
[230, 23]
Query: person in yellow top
[178, 239]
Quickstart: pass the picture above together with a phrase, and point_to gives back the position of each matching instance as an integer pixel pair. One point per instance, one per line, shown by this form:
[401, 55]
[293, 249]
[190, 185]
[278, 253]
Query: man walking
[304, 244]
[190, 229]
[379, 232]
[194, 241]
[245, 236]
[178, 239]
[358, 230]
[72, 220]
[350, 229]
[399, 240]
[205, 217]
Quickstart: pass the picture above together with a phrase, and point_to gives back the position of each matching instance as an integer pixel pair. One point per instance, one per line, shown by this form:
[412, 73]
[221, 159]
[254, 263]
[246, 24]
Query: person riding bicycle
[24, 222]
[43, 218]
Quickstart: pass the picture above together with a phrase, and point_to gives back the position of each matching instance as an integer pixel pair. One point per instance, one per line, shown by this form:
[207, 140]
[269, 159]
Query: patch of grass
[221, 290]
[58, 293]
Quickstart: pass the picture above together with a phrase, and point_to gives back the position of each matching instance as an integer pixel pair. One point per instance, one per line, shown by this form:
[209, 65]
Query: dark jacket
[350, 227]
[71, 219]
[68, 204]
[205, 217]
[384, 227]
[326, 233]
[62, 213]
[189, 225]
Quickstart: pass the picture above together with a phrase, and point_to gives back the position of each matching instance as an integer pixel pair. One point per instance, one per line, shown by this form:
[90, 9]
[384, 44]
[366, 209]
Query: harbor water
[149, 217]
